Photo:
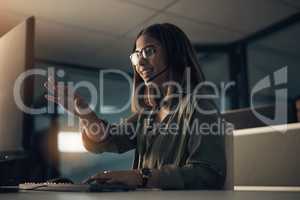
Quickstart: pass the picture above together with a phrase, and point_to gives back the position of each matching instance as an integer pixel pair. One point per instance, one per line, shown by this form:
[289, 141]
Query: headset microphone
[157, 75]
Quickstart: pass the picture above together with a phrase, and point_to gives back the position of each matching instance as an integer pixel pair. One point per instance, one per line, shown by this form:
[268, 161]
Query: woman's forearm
[94, 127]
[99, 136]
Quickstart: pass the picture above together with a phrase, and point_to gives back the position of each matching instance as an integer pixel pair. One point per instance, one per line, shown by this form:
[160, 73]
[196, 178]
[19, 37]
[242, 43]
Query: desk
[153, 195]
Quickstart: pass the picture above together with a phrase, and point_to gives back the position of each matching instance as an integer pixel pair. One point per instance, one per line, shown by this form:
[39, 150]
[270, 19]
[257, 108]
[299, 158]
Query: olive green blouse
[186, 151]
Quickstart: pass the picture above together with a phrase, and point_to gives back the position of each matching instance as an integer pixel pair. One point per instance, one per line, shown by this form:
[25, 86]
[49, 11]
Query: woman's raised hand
[66, 97]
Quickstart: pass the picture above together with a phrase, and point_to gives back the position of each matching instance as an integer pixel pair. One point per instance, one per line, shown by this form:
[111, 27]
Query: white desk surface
[153, 195]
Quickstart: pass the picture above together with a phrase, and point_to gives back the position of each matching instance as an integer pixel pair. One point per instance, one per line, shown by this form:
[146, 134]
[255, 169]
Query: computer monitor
[264, 156]
[16, 56]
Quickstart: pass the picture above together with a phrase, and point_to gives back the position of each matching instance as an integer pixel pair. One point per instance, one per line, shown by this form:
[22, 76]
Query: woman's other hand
[131, 178]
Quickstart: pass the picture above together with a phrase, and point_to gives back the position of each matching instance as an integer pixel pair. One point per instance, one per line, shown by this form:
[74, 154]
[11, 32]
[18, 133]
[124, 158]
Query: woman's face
[155, 61]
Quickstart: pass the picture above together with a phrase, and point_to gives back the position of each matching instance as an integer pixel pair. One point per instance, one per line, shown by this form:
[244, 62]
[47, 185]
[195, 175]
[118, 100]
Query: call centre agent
[170, 152]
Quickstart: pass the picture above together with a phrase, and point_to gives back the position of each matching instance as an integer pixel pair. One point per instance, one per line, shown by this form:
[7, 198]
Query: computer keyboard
[67, 187]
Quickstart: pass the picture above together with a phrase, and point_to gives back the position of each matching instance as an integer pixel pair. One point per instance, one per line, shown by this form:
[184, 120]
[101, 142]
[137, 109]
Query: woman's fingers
[46, 85]
[51, 80]
[88, 180]
[113, 181]
[129, 178]
[52, 98]
[53, 86]
[103, 175]
[58, 92]
[50, 85]
[102, 180]
[97, 179]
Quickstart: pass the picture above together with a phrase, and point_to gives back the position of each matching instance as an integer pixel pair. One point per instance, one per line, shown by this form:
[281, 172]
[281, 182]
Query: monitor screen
[16, 56]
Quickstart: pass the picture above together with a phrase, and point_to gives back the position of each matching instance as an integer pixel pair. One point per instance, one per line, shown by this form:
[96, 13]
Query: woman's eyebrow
[148, 45]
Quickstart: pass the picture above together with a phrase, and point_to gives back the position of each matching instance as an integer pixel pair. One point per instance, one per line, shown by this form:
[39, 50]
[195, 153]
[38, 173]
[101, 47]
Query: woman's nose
[142, 68]
[142, 61]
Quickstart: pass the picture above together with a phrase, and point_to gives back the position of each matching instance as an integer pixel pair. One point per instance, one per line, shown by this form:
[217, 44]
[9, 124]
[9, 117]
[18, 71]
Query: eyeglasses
[145, 53]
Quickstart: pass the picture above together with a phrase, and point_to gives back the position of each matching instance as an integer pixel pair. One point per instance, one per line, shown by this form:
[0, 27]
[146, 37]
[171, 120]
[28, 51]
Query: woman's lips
[146, 73]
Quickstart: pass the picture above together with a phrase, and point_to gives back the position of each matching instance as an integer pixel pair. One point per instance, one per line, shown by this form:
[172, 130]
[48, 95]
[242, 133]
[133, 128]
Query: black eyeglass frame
[142, 53]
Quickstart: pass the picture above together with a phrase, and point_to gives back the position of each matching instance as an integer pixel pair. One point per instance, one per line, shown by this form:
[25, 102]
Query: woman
[171, 153]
